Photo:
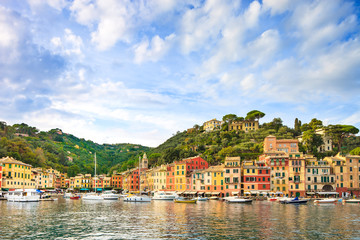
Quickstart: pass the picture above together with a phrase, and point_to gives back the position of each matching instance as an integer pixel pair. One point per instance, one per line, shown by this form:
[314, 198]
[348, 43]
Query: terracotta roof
[13, 161]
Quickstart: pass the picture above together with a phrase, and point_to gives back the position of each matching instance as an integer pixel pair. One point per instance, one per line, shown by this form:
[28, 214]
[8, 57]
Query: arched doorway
[327, 188]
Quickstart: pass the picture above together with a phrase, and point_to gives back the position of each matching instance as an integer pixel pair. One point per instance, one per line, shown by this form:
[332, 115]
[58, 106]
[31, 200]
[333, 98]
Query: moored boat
[326, 200]
[92, 196]
[110, 195]
[137, 198]
[75, 197]
[352, 201]
[296, 200]
[238, 200]
[23, 195]
[202, 199]
[161, 195]
[185, 200]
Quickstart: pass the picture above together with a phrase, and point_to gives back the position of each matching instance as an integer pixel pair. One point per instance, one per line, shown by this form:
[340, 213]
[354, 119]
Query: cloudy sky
[138, 71]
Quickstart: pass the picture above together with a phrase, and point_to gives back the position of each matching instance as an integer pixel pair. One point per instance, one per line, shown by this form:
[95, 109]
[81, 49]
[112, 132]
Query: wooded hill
[62, 151]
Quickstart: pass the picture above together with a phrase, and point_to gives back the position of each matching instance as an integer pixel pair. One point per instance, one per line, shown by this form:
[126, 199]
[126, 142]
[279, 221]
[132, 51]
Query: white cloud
[277, 6]
[56, 4]
[11, 35]
[154, 50]
[70, 44]
[248, 83]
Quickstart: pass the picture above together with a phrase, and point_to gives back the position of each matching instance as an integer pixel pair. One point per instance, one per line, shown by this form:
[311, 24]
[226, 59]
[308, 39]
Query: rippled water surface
[76, 219]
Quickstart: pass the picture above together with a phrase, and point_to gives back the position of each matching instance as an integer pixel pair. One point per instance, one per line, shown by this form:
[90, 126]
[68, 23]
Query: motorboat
[110, 195]
[185, 200]
[326, 200]
[272, 199]
[67, 195]
[75, 197]
[46, 197]
[214, 198]
[137, 198]
[238, 200]
[92, 196]
[161, 195]
[23, 195]
[296, 200]
[202, 199]
[352, 201]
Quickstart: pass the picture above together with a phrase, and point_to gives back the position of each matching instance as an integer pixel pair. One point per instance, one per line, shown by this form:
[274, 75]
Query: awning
[247, 192]
[254, 192]
[192, 192]
[39, 191]
[84, 189]
[310, 193]
[99, 189]
[279, 193]
[215, 193]
[329, 193]
[235, 193]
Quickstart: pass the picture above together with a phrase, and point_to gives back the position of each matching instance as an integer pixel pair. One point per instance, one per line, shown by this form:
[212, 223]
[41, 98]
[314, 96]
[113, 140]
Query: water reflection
[72, 219]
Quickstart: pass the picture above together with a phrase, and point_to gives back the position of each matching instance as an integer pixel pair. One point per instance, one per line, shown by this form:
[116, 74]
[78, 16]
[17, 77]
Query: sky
[136, 71]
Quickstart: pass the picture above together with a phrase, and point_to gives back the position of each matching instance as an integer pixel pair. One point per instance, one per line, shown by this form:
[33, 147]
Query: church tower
[144, 162]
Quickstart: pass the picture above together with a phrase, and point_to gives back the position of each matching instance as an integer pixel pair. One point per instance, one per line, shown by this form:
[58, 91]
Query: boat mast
[139, 177]
[95, 173]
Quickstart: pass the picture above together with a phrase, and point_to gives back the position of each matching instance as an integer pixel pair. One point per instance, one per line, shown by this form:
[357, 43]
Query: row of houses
[280, 169]
[244, 125]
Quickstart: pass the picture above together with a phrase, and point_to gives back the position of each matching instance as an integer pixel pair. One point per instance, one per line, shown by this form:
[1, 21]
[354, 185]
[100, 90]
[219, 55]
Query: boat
[296, 200]
[46, 197]
[161, 195]
[238, 200]
[326, 200]
[199, 198]
[93, 195]
[138, 198]
[23, 195]
[110, 195]
[67, 195]
[214, 198]
[272, 199]
[75, 197]
[185, 200]
[352, 201]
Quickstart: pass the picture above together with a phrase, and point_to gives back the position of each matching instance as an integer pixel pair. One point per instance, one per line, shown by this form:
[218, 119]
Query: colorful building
[297, 176]
[180, 176]
[232, 176]
[319, 176]
[116, 180]
[159, 178]
[16, 174]
[246, 125]
[0, 176]
[284, 145]
[211, 125]
[256, 177]
[214, 180]
[170, 177]
[279, 164]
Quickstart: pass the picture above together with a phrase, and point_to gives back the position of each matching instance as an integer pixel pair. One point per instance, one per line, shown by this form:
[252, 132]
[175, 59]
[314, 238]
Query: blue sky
[116, 71]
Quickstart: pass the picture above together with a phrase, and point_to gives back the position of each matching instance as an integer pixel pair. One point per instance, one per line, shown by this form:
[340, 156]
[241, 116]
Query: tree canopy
[254, 114]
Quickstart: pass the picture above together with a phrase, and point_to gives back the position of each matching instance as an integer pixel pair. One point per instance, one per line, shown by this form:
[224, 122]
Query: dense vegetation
[70, 154]
[62, 151]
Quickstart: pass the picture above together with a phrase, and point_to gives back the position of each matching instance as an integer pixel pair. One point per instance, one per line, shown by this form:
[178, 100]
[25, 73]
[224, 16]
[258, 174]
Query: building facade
[246, 125]
[16, 174]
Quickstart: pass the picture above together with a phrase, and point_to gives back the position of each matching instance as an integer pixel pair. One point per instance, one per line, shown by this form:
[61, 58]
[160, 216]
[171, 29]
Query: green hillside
[62, 151]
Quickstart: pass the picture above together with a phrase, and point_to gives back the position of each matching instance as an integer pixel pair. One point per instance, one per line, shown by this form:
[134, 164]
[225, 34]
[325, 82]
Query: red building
[170, 177]
[256, 177]
[195, 163]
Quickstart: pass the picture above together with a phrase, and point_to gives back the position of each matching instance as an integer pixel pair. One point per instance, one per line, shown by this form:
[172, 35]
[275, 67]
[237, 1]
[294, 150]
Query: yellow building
[149, 179]
[319, 177]
[246, 125]
[16, 174]
[297, 176]
[180, 176]
[211, 125]
[214, 180]
[159, 178]
[42, 178]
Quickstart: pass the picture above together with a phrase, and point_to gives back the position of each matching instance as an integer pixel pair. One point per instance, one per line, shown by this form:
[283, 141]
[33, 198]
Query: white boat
[138, 198]
[161, 195]
[326, 200]
[202, 198]
[110, 195]
[296, 200]
[238, 200]
[214, 198]
[67, 195]
[93, 195]
[352, 201]
[23, 195]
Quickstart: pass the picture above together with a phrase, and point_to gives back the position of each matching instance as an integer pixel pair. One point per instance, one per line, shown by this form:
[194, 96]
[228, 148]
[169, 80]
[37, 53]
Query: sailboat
[138, 198]
[93, 195]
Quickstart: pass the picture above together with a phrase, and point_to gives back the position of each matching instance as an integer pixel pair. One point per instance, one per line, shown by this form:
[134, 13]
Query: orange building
[284, 145]
[0, 176]
[170, 177]
[256, 177]
[116, 180]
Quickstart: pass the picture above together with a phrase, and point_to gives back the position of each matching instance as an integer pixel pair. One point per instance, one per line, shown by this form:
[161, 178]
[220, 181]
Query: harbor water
[79, 219]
